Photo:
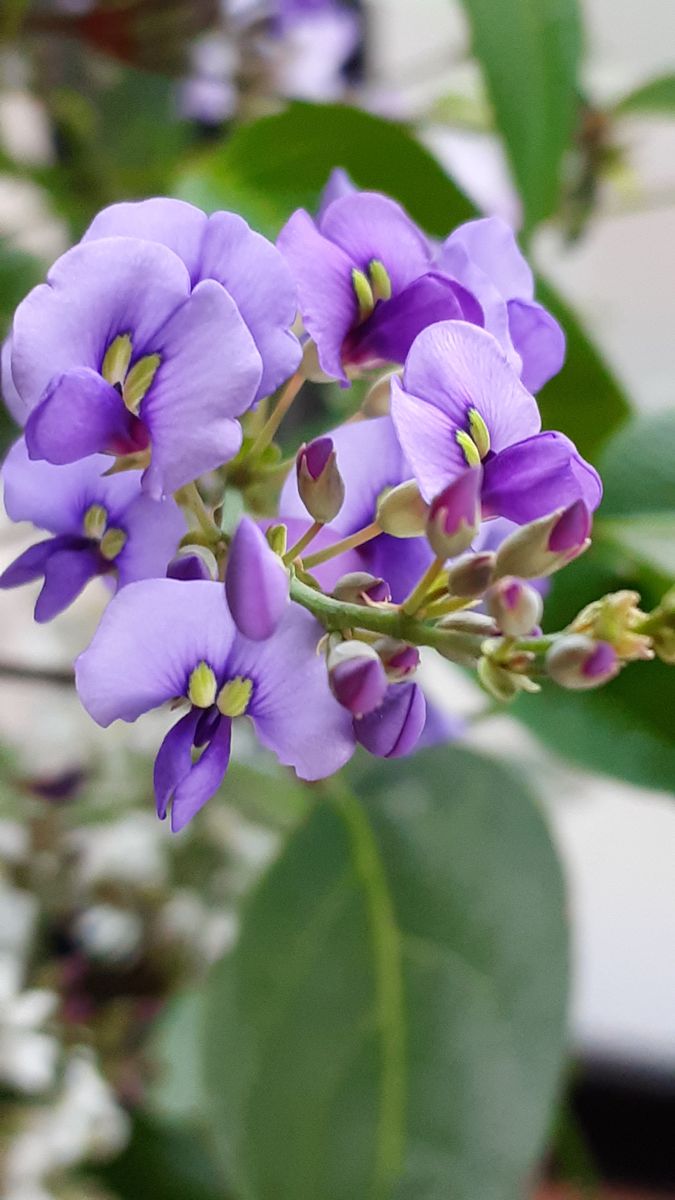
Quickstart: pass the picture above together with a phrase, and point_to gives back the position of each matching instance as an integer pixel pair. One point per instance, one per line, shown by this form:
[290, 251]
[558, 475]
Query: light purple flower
[256, 583]
[462, 404]
[165, 639]
[223, 248]
[366, 284]
[369, 459]
[484, 256]
[100, 525]
[117, 353]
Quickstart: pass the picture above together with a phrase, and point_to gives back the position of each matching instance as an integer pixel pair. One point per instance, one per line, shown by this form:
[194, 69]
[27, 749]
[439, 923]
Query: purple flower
[461, 404]
[164, 639]
[484, 257]
[369, 459]
[101, 526]
[366, 283]
[256, 583]
[117, 353]
[357, 677]
[394, 728]
[223, 248]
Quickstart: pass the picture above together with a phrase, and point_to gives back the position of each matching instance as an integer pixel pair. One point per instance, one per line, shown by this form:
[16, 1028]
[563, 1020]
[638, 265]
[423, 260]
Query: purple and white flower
[100, 525]
[163, 640]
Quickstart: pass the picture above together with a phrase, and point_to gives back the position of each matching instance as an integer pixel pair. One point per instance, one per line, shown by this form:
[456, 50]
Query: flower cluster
[143, 371]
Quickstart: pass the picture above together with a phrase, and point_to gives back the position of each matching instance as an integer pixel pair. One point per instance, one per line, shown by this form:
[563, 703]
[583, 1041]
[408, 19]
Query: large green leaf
[392, 1022]
[279, 163]
[625, 729]
[164, 1161]
[529, 51]
[585, 401]
[657, 96]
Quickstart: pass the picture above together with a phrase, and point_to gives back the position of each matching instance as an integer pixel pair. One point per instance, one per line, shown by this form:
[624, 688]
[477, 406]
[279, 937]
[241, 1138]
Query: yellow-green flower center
[95, 525]
[235, 697]
[371, 287]
[202, 687]
[476, 443]
[134, 382]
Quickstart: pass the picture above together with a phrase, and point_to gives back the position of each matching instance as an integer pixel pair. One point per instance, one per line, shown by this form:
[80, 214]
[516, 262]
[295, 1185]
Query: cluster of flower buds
[145, 371]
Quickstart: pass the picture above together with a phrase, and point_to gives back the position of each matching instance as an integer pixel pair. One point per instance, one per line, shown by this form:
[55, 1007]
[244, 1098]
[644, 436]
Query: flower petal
[427, 437]
[490, 243]
[150, 638]
[256, 582]
[536, 476]
[174, 760]
[322, 274]
[10, 395]
[80, 415]
[172, 223]
[539, 340]
[204, 778]
[367, 226]
[154, 529]
[390, 332]
[209, 374]
[32, 563]
[394, 728]
[94, 292]
[67, 572]
[293, 710]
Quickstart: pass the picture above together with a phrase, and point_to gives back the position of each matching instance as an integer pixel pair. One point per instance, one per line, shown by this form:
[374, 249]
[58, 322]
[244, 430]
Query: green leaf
[530, 51]
[585, 401]
[638, 467]
[657, 96]
[166, 1162]
[281, 162]
[391, 1023]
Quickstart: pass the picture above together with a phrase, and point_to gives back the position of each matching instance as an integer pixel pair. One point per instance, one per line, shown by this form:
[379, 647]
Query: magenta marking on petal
[601, 662]
[572, 529]
[316, 454]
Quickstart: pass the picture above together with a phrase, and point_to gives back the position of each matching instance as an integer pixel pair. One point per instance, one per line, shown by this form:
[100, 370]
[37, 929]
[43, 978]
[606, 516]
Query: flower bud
[358, 587]
[515, 606]
[394, 728]
[471, 574]
[615, 619]
[497, 680]
[256, 583]
[401, 511]
[576, 661]
[399, 658]
[454, 515]
[319, 481]
[356, 676]
[661, 624]
[546, 545]
[466, 634]
[193, 562]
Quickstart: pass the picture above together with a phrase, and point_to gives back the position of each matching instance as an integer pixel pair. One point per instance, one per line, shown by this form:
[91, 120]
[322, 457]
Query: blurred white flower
[28, 1056]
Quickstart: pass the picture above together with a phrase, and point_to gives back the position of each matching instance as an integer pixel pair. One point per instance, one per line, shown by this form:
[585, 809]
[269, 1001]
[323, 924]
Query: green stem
[275, 418]
[307, 537]
[349, 543]
[418, 595]
[189, 498]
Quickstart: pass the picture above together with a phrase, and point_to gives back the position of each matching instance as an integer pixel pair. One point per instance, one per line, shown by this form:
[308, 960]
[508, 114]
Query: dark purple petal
[400, 561]
[386, 337]
[394, 729]
[256, 583]
[315, 455]
[174, 760]
[539, 340]
[67, 572]
[367, 226]
[203, 781]
[81, 415]
[292, 707]
[188, 567]
[359, 684]
[151, 636]
[602, 661]
[209, 374]
[31, 564]
[322, 275]
[536, 476]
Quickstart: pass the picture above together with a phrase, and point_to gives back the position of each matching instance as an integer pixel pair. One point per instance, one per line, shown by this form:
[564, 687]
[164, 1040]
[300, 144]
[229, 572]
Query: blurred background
[564, 123]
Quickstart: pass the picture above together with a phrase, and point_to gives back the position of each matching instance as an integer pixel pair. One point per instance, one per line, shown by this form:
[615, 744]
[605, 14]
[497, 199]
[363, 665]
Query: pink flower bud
[454, 515]
[319, 481]
[357, 677]
[515, 606]
[579, 663]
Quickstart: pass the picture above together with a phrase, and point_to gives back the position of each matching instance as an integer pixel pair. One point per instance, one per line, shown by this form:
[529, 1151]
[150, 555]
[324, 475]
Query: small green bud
[544, 546]
[139, 380]
[468, 447]
[117, 358]
[480, 433]
[202, 687]
[616, 619]
[401, 511]
[364, 293]
[235, 697]
[471, 575]
[502, 683]
[113, 543]
[380, 281]
[95, 521]
[358, 587]
[477, 623]
[277, 536]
